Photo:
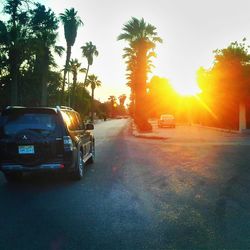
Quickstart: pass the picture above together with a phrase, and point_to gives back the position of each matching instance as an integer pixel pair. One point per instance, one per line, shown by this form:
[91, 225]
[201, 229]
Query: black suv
[44, 139]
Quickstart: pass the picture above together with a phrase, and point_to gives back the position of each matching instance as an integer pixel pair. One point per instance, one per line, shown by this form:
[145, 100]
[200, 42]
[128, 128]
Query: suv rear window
[12, 124]
[167, 117]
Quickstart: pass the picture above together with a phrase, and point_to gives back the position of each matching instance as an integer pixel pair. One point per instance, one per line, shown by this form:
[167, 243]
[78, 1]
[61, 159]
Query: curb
[231, 131]
[155, 137]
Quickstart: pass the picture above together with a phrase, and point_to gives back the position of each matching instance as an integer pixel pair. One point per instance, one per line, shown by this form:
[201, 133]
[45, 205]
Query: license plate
[28, 149]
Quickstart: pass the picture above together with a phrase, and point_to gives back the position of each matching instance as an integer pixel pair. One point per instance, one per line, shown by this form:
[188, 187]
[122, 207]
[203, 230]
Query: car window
[12, 124]
[167, 117]
[76, 123]
[81, 124]
[71, 120]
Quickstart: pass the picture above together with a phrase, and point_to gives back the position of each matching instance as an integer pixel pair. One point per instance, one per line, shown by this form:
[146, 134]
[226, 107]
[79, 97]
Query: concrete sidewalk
[190, 133]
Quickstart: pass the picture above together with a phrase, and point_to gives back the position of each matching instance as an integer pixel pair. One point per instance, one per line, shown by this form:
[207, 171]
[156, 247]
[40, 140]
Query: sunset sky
[191, 30]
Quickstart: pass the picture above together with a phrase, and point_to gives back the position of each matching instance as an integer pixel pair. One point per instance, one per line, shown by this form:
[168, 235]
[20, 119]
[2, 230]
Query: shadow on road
[41, 182]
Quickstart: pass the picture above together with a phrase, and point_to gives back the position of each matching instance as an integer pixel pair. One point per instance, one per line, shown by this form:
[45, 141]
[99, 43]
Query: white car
[166, 120]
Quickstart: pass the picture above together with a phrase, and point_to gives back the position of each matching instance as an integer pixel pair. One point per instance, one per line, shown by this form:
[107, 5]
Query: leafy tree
[28, 71]
[142, 39]
[94, 83]
[89, 51]
[103, 110]
[231, 70]
[4, 75]
[82, 102]
[230, 73]
[71, 22]
[27, 46]
[162, 98]
[13, 42]
[225, 85]
[54, 87]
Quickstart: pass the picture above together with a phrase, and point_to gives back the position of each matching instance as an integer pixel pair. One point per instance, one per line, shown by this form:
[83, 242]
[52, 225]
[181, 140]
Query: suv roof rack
[10, 107]
[64, 107]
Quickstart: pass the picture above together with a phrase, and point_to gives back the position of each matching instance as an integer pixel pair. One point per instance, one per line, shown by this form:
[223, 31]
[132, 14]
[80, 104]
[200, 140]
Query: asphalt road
[139, 194]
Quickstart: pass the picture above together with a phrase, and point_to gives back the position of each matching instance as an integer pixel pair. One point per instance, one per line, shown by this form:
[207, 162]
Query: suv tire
[92, 151]
[79, 168]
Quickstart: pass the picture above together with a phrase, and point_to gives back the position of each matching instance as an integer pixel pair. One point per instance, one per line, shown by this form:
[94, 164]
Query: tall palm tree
[131, 60]
[142, 38]
[44, 25]
[75, 68]
[89, 51]
[71, 22]
[94, 83]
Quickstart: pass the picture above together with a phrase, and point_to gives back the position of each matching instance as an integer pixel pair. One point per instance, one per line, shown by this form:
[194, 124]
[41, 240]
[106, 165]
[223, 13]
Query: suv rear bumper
[23, 168]
[166, 124]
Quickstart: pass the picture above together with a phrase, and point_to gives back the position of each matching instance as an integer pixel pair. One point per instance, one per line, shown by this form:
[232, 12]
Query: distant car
[166, 120]
[44, 139]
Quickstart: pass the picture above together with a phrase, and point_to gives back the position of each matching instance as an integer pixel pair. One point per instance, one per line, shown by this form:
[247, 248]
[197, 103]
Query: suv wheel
[92, 151]
[13, 177]
[79, 169]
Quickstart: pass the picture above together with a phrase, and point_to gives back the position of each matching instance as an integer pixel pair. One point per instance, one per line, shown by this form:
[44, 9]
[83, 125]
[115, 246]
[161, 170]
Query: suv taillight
[67, 143]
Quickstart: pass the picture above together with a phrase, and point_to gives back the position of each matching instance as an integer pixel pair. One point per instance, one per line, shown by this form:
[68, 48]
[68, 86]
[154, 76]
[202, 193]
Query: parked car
[44, 139]
[166, 120]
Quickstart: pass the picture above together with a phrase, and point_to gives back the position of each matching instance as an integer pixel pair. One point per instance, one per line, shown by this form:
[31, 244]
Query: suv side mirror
[89, 126]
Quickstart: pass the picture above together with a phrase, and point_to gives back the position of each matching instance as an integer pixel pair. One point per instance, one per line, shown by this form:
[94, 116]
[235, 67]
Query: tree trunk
[92, 105]
[65, 71]
[74, 89]
[86, 74]
[141, 115]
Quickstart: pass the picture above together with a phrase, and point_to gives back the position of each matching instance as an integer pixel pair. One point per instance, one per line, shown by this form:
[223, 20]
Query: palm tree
[89, 51]
[112, 100]
[44, 25]
[75, 67]
[71, 22]
[130, 55]
[122, 98]
[94, 83]
[142, 39]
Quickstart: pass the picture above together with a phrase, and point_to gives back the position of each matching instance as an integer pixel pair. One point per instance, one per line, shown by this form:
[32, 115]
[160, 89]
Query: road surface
[186, 192]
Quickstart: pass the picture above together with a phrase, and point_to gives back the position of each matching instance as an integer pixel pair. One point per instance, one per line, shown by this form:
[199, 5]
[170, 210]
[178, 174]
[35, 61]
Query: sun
[187, 89]
[184, 82]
